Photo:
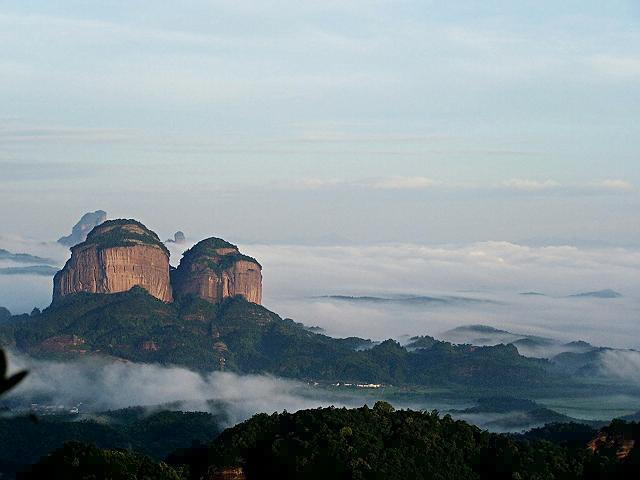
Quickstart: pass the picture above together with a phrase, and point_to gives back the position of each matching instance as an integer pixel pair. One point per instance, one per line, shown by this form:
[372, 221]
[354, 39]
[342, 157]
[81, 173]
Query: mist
[623, 365]
[103, 384]
[494, 274]
[489, 277]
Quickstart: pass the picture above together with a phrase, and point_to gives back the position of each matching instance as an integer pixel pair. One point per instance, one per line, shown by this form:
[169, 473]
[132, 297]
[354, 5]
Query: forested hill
[244, 337]
[335, 443]
[381, 443]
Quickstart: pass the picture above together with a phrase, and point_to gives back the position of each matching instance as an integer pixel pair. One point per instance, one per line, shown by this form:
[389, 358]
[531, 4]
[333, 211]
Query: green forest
[363, 443]
[244, 337]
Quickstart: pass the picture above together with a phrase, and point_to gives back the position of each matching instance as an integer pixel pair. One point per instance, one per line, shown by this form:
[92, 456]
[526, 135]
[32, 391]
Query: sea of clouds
[100, 385]
[487, 278]
[494, 273]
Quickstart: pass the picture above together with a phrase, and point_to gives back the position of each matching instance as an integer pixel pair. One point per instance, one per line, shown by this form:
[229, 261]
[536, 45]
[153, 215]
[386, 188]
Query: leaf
[3, 364]
[10, 382]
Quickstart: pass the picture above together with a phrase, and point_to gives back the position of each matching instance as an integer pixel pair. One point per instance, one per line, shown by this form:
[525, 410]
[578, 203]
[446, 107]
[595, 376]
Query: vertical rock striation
[116, 256]
[214, 269]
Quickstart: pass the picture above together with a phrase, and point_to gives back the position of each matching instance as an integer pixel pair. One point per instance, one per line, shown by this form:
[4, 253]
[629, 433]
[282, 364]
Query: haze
[325, 122]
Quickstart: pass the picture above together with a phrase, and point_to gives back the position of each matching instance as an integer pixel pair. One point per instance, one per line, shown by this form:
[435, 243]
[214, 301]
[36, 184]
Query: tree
[7, 383]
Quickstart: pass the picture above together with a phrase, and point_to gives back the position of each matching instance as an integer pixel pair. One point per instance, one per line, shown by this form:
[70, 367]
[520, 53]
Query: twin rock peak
[121, 254]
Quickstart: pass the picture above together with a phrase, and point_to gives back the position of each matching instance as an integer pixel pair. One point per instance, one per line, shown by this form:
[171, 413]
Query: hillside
[382, 443]
[338, 443]
[23, 440]
[244, 337]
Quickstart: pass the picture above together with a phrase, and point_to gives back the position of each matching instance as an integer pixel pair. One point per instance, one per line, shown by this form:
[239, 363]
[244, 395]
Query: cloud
[606, 186]
[401, 183]
[621, 364]
[14, 132]
[617, 66]
[514, 185]
[43, 270]
[497, 271]
[612, 184]
[381, 183]
[104, 384]
[530, 185]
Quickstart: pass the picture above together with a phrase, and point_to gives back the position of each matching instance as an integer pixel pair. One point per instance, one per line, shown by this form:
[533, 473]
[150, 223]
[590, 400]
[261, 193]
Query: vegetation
[337, 443]
[8, 382]
[207, 247]
[114, 233]
[206, 251]
[243, 337]
[5, 314]
[381, 443]
[24, 439]
[572, 435]
[77, 461]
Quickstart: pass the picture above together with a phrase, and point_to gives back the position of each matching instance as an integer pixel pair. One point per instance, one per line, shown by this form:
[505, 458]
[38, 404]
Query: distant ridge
[407, 299]
[607, 293]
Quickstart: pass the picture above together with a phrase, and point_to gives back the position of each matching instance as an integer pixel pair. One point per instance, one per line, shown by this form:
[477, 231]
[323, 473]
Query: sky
[324, 121]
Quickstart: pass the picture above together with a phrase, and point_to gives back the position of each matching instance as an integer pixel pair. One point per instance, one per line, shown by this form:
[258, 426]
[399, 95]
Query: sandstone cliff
[214, 269]
[116, 256]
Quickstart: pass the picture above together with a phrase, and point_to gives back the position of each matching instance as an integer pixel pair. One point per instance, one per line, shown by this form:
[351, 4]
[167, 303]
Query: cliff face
[214, 269]
[116, 256]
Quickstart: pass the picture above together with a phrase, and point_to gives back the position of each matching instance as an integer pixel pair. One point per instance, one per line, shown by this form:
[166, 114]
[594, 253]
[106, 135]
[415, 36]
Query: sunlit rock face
[214, 269]
[116, 256]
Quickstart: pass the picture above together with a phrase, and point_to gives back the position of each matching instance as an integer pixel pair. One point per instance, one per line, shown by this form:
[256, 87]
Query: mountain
[178, 238]
[599, 363]
[608, 293]
[384, 443]
[244, 337]
[43, 270]
[214, 269]
[117, 255]
[24, 258]
[505, 413]
[528, 345]
[83, 227]
[410, 300]
[367, 442]
[120, 254]
[155, 433]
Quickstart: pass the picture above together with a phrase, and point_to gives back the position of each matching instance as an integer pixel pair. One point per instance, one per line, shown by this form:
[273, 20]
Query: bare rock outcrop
[214, 269]
[178, 238]
[116, 256]
[83, 227]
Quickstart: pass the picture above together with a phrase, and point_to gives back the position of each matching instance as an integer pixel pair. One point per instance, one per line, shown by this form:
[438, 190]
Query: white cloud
[530, 185]
[401, 183]
[516, 185]
[622, 364]
[617, 66]
[106, 385]
[387, 183]
[496, 271]
[612, 184]
[16, 133]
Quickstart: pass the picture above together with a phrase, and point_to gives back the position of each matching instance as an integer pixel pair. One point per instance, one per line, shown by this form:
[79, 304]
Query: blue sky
[367, 120]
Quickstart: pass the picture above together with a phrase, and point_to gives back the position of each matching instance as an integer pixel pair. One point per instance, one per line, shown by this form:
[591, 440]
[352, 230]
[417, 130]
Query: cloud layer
[107, 385]
[496, 271]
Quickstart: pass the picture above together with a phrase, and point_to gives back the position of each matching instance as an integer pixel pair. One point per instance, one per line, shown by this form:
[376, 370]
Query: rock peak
[83, 227]
[214, 269]
[121, 254]
[116, 256]
[121, 233]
